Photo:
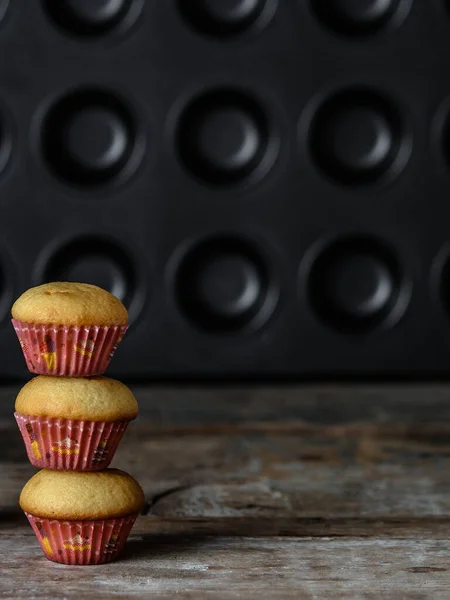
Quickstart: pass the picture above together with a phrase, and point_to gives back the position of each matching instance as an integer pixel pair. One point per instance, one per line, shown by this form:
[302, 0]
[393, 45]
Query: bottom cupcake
[82, 542]
[82, 518]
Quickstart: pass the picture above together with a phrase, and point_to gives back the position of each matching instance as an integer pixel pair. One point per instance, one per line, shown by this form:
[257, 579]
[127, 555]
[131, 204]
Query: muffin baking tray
[265, 183]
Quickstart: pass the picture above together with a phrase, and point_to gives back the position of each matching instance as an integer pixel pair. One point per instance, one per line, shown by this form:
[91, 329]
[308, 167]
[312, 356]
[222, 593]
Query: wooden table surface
[262, 492]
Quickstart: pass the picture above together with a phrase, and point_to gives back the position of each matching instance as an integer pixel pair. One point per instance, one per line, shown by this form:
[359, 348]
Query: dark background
[264, 183]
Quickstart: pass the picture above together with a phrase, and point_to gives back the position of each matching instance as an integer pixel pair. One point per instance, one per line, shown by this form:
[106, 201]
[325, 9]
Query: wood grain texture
[218, 567]
[305, 492]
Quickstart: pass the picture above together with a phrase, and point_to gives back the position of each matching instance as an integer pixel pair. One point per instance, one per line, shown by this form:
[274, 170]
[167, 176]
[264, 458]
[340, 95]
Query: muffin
[82, 518]
[73, 423]
[69, 329]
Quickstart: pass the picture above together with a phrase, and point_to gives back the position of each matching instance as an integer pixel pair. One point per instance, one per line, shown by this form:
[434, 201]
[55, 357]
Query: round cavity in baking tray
[356, 17]
[91, 17]
[89, 137]
[356, 137]
[98, 261]
[224, 138]
[223, 285]
[225, 17]
[355, 285]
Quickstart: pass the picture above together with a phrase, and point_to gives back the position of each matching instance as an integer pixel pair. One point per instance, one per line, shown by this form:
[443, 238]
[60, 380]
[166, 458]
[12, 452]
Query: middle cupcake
[73, 423]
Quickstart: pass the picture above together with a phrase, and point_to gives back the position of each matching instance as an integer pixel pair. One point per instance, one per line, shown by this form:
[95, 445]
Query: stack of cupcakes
[72, 420]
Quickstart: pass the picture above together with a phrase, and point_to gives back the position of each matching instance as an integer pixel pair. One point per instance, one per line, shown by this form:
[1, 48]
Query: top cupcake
[69, 329]
[71, 304]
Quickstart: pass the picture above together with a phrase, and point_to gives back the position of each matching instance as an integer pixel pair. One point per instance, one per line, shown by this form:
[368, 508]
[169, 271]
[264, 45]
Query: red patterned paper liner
[82, 542]
[70, 445]
[66, 350]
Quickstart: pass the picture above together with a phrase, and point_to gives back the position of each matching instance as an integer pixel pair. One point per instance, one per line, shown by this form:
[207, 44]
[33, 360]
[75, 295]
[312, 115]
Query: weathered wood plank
[181, 567]
[322, 472]
[15, 523]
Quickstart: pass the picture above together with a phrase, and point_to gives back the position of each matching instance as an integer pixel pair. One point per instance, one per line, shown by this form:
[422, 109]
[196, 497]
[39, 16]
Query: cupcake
[70, 329]
[82, 518]
[73, 423]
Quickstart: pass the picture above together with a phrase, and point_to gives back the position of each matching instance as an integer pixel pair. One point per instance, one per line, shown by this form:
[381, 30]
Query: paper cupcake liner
[69, 445]
[68, 351]
[82, 542]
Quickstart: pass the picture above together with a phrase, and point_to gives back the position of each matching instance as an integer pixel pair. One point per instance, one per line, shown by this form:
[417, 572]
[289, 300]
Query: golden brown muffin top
[73, 495]
[80, 398]
[65, 303]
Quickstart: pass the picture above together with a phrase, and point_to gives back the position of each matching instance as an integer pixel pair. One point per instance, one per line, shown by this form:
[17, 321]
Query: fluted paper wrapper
[70, 445]
[82, 542]
[66, 350]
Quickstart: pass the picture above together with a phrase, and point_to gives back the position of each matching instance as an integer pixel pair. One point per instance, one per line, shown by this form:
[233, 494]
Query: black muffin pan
[265, 183]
